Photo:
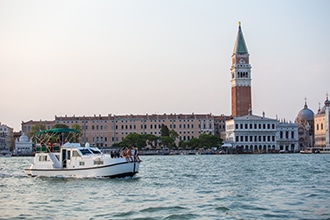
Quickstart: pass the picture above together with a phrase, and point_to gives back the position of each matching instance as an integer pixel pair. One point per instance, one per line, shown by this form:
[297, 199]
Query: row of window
[115, 139]
[255, 138]
[243, 75]
[155, 126]
[287, 134]
[126, 121]
[265, 138]
[255, 126]
[319, 127]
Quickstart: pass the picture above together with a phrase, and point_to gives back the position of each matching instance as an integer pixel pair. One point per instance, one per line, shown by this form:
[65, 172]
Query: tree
[210, 140]
[134, 139]
[164, 131]
[36, 128]
[173, 134]
[151, 140]
[183, 144]
[60, 126]
[77, 127]
[167, 141]
[193, 143]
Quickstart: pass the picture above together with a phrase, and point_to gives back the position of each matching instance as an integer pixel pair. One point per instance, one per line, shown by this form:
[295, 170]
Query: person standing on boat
[132, 151]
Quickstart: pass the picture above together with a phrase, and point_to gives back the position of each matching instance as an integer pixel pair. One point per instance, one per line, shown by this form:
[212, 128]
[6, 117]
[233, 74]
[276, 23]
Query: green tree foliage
[209, 140]
[164, 131]
[167, 141]
[139, 140]
[151, 140]
[173, 134]
[36, 128]
[167, 137]
[194, 143]
[77, 127]
[183, 144]
[60, 126]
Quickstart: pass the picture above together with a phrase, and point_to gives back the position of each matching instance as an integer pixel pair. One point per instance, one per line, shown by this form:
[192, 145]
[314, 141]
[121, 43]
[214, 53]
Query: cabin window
[95, 151]
[75, 154]
[43, 158]
[81, 163]
[85, 151]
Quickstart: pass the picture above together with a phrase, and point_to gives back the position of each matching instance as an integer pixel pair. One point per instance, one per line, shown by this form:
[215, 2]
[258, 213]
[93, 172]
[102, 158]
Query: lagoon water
[266, 186]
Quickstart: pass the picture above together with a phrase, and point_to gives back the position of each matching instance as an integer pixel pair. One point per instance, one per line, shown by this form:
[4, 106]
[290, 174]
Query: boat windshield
[85, 151]
[95, 151]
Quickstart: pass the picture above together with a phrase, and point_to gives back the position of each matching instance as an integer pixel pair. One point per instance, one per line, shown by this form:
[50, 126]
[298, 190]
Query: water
[278, 186]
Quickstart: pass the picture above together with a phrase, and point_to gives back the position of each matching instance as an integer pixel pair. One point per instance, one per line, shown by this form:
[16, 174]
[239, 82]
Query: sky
[155, 56]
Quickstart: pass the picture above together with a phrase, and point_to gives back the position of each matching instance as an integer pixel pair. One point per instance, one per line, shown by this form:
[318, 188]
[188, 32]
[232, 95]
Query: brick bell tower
[241, 100]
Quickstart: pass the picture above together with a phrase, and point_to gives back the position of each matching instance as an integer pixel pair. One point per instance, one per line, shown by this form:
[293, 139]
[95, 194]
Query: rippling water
[278, 186]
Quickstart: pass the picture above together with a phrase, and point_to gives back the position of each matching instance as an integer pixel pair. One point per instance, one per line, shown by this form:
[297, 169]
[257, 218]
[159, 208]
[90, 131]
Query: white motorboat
[56, 159]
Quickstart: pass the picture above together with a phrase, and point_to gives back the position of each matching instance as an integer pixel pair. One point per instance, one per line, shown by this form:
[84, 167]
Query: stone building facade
[6, 137]
[258, 134]
[322, 126]
[104, 131]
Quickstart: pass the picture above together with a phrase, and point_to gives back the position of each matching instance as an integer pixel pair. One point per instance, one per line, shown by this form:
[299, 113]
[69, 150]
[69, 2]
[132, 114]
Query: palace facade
[104, 131]
[252, 133]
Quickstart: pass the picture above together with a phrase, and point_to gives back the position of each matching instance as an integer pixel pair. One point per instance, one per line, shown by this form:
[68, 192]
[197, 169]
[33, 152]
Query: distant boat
[305, 151]
[5, 153]
[74, 160]
[325, 150]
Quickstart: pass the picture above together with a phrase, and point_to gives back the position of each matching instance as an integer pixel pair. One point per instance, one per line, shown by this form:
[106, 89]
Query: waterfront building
[23, 145]
[220, 125]
[104, 131]
[305, 121]
[322, 126]
[240, 70]
[6, 137]
[258, 134]
[27, 126]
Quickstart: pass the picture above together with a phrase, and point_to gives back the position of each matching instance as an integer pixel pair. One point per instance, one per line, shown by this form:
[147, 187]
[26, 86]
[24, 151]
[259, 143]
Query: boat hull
[121, 169]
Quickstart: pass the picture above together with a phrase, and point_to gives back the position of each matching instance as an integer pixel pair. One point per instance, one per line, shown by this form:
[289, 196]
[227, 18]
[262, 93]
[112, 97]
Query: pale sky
[149, 56]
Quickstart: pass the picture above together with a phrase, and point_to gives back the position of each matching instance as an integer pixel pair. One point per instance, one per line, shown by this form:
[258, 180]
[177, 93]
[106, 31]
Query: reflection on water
[292, 186]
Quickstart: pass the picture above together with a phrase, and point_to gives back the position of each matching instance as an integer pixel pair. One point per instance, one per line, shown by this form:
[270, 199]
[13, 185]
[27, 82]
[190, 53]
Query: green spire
[240, 46]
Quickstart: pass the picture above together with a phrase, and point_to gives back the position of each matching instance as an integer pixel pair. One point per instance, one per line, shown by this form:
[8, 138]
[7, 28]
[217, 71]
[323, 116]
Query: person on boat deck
[124, 153]
[50, 146]
[129, 154]
[134, 152]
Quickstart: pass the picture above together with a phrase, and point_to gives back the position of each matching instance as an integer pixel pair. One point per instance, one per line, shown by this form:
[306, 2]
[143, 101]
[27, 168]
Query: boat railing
[42, 148]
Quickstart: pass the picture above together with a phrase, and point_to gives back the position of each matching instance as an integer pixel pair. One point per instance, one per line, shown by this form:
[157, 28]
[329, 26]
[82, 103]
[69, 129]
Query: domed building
[23, 146]
[305, 121]
[322, 126]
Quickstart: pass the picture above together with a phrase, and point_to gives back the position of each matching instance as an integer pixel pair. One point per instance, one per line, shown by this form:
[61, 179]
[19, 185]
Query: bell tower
[241, 100]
